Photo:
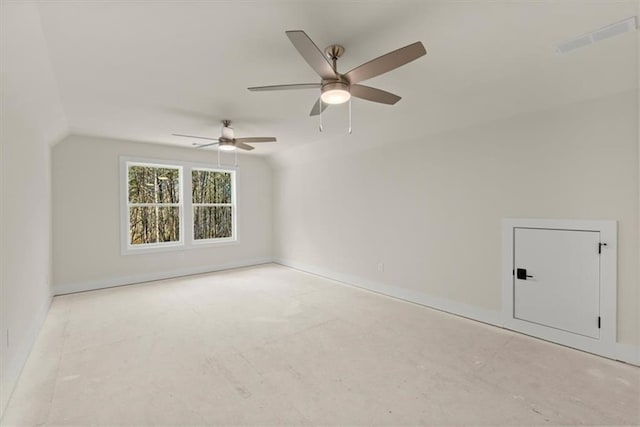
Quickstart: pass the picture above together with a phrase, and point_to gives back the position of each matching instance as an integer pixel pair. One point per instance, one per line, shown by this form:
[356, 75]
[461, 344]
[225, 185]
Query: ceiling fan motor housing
[227, 132]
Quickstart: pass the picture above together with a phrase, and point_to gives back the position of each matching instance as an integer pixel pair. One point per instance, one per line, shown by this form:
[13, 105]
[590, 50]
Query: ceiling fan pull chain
[320, 99]
[235, 152]
[349, 116]
[218, 150]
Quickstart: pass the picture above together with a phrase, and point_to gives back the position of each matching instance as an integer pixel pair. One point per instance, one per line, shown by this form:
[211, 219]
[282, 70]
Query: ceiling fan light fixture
[227, 146]
[335, 93]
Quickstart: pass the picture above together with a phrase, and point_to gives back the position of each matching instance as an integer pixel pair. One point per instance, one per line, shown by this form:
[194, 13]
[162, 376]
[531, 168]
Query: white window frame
[187, 240]
[233, 238]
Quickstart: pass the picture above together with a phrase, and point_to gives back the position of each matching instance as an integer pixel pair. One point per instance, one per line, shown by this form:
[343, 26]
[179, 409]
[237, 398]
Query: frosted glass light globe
[335, 93]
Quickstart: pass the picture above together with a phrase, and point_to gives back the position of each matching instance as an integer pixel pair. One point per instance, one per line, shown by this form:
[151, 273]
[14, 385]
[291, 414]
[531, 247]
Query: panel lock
[521, 273]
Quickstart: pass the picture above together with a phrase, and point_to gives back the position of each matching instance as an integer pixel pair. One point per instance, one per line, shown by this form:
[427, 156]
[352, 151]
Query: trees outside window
[212, 199]
[154, 204]
[156, 211]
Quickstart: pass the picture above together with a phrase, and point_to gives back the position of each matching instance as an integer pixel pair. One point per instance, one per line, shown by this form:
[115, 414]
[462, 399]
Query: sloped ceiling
[146, 69]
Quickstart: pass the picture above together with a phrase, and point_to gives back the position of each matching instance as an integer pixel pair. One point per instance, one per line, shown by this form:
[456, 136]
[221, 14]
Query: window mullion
[187, 207]
[152, 205]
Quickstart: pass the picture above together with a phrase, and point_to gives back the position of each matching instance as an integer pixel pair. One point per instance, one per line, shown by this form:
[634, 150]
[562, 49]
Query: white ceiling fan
[227, 140]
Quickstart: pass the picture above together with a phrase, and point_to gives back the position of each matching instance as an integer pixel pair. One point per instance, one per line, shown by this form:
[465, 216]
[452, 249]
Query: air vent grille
[625, 26]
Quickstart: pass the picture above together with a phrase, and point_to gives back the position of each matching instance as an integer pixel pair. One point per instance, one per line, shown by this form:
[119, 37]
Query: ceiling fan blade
[386, 63]
[316, 108]
[285, 87]
[310, 52]
[205, 145]
[243, 146]
[256, 139]
[193, 136]
[373, 94]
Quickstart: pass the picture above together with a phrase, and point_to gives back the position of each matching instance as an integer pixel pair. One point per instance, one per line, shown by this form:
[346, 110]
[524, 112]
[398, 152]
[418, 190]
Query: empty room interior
[345, 213]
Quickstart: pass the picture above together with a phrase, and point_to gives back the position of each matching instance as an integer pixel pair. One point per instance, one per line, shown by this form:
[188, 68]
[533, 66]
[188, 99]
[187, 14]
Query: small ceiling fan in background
[227, 140]
[336, 88]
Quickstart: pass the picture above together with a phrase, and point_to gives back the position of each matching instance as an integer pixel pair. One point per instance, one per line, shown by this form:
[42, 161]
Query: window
[212, 199]
[156, 213]
[154, 204]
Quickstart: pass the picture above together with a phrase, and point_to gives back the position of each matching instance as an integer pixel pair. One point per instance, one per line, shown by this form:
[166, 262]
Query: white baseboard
[484, 315]
[14, 366]
[627, 353]
[70, 288]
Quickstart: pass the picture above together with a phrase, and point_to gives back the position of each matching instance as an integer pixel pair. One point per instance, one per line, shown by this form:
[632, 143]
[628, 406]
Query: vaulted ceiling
[142, 70]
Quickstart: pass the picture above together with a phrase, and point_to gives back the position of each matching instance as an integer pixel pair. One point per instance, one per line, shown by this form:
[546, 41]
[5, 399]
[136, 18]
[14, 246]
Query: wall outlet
[381, 267]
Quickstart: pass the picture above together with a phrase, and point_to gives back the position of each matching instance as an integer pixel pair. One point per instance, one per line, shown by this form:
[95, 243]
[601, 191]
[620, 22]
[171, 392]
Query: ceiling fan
[337, 88]
[227, 140]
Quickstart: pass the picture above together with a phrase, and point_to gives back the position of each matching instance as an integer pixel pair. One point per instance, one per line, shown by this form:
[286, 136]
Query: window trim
[128, 205]
[187, 241]
[233, 204]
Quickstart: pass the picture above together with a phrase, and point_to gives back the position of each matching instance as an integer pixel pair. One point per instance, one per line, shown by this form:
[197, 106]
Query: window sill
[178, 247]
[211, 243]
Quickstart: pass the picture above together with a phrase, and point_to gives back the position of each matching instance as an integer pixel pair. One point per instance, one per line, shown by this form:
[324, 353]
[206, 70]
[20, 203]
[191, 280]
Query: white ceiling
[142, 70]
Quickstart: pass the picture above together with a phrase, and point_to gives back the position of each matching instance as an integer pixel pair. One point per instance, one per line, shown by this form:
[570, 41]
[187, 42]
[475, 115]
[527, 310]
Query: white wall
[31, 119]
[86, 216]
[430, 208]
[638, 137]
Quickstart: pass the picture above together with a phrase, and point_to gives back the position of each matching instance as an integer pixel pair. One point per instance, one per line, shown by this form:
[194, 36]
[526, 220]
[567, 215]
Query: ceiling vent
[626, 26]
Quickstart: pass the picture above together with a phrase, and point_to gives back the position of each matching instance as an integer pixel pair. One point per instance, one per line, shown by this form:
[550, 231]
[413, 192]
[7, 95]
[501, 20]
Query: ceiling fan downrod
[333, 52]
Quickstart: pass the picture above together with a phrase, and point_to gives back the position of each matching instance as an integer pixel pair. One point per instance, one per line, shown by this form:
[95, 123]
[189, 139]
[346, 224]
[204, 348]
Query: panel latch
[521, 273]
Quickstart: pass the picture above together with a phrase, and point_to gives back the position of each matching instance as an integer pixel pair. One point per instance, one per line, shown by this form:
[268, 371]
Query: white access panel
[563, 290]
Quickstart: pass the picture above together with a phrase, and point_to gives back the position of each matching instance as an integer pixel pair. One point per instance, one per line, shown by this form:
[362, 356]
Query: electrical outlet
[381, 267]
